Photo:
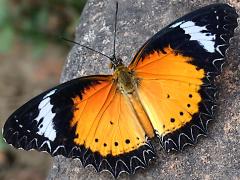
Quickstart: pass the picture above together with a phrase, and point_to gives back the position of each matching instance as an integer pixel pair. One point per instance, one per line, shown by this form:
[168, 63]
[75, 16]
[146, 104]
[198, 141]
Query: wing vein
[98, 122]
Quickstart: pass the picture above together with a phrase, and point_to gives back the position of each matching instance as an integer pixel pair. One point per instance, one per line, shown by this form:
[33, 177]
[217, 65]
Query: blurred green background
[31, 59]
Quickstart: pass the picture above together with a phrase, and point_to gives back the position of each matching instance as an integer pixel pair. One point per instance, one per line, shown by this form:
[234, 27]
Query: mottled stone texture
[214, 157]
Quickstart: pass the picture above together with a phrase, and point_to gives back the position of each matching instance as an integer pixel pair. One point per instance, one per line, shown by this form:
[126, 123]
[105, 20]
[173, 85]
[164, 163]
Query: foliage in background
[37, 21]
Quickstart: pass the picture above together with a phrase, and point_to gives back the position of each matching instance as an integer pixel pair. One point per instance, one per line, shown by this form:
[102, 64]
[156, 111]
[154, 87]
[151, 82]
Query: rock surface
[214, 157]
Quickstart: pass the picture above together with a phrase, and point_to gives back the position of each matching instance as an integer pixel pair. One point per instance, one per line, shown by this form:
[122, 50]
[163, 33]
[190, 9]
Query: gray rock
[214, 157]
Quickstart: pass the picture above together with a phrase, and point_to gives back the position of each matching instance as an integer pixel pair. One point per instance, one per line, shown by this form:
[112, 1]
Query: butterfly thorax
[126, 81]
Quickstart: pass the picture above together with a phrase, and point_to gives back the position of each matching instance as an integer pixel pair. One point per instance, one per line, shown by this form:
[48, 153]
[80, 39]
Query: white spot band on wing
[205, 39]
[46, 128]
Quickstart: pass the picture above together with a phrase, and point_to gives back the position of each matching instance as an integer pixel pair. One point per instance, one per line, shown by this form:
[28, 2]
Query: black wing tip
[229, 24]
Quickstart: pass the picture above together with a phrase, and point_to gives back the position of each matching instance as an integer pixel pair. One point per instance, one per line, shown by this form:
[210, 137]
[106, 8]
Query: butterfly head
[115, 62]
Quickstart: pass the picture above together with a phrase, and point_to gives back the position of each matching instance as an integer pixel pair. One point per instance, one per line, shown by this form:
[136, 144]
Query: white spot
[48, 144]
[50, 93]
[21, 126]
[176, 24]
[46, 128]
[57, 149]
[217, 17]
[206, 39]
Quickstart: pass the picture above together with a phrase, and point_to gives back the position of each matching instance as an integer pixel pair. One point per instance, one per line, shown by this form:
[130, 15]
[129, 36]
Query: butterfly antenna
[74, 42]
[115, 31]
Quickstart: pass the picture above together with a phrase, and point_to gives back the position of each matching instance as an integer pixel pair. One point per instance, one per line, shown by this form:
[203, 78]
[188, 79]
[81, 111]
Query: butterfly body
[108, 121]
[127, 84]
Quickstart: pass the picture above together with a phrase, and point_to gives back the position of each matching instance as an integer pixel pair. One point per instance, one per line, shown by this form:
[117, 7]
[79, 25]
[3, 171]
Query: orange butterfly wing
[107, 126]
[169, 90]
[105, 122]
[90, 120]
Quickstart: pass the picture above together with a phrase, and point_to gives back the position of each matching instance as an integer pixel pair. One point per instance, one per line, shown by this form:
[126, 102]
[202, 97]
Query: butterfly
[109, 121]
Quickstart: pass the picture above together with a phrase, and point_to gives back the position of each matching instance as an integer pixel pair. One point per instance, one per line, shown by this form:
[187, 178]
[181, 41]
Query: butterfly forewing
[179, 64]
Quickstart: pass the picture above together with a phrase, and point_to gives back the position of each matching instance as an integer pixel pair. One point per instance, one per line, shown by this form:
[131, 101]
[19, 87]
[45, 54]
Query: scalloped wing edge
[115, 165]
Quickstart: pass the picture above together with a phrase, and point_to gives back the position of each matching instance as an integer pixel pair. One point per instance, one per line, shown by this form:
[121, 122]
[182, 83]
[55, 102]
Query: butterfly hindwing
[85, 118]
[179, 64]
